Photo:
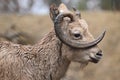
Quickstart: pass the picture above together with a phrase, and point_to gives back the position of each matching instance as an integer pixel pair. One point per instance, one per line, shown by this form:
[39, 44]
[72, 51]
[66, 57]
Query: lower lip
[94, 60]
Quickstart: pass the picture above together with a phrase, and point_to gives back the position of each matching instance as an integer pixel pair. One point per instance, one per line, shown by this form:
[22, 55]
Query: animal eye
[78, 36]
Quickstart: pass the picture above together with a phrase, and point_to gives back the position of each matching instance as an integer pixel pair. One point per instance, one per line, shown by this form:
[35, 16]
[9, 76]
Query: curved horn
[66, 40]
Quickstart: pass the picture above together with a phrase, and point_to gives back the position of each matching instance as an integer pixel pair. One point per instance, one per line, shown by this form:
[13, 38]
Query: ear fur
[77, 12]
[63, 8]
[53, 11]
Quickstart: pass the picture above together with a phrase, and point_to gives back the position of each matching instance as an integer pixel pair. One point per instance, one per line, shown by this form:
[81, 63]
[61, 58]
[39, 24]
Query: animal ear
[53, 11]
[77, 12]
[63, 8]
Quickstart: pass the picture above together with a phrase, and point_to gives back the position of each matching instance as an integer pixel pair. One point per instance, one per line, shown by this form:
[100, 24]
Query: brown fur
[42, 61]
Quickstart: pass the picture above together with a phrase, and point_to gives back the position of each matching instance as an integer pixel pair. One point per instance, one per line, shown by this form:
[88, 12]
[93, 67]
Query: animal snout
[99, 54]
[97, 57]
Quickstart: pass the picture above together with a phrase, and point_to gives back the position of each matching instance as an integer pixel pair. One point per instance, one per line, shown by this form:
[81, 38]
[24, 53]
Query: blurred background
[27, 21]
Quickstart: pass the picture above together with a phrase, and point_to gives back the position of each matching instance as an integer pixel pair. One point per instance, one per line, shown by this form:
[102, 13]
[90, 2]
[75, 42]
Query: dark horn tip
[104, 31]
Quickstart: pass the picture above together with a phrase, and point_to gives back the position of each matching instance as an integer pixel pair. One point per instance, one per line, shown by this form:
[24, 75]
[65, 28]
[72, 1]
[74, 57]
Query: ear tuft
[77, 12]
[63, 8]
[53, 11]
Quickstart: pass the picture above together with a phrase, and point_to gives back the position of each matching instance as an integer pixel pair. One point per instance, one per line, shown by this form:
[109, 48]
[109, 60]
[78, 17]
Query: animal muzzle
[97, 57]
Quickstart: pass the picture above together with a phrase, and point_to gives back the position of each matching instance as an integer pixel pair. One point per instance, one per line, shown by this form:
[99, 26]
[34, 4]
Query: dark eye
[78, 36]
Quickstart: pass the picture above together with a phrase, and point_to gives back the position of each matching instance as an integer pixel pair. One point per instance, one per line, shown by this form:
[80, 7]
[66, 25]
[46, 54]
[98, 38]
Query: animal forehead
[77, 30]
[83, 23]
[80, 23]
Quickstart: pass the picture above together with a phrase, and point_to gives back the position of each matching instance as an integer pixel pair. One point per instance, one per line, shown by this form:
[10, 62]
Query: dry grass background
[107, 69]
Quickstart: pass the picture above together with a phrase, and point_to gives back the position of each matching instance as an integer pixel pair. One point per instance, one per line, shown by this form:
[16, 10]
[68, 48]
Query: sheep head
[73, 31]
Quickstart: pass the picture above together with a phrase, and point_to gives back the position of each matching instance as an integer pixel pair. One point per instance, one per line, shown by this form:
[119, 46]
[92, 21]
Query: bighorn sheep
[49, 59]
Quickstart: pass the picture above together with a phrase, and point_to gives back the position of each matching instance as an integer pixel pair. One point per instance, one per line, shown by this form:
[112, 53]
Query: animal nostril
[99, 53]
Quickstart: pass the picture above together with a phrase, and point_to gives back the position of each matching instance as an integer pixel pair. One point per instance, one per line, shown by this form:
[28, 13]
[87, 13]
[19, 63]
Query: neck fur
[50, 56]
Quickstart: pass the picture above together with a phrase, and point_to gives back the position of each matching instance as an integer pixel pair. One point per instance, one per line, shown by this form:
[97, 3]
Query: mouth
[95, 59]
